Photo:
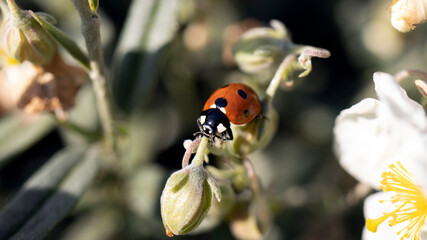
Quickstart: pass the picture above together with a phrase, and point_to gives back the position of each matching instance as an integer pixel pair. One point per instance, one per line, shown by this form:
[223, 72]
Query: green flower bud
[186, 199]
[23, 38]
[259, 48]
[93, 4]
[255, 135]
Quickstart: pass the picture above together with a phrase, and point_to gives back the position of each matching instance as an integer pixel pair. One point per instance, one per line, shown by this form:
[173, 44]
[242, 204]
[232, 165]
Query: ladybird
[235, 103]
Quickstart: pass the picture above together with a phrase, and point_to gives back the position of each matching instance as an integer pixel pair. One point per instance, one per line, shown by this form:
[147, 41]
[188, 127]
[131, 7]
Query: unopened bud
[23, 38]
[93, 4]
[259, 48]
[186, 199]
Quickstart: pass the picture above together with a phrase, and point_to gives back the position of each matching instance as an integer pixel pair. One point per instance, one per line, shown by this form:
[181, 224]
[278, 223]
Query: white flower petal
[395, 102]
[372, 134]
[374, 209]
[417, 170]
[359, 144]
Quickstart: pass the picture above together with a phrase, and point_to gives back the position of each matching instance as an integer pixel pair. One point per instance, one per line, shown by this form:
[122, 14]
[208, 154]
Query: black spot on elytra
[220, 103]
[246, 112]
[242, 93]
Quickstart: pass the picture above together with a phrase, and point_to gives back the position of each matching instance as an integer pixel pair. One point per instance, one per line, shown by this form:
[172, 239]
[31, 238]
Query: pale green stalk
[90, 29]
[201, 152]
[275, 82]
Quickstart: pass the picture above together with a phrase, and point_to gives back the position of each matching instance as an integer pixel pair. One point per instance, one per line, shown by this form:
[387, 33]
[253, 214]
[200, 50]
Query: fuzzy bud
[186, 199]
[259, 48]
[23, 38]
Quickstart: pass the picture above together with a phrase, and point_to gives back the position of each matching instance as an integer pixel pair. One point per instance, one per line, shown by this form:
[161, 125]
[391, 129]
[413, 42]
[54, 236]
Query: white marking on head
[223, 110]
[220, 128]
[213, 106]
[202, 119]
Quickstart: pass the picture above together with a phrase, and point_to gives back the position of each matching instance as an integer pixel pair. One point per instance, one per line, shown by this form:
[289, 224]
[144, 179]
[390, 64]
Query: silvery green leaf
[150, 26]
[49, 194]
[63, 39]
[18, 132]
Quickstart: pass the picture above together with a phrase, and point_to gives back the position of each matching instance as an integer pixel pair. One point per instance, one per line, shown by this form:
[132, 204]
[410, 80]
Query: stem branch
[189, 151]
[201, 151]
[275, 82]
[90, 29]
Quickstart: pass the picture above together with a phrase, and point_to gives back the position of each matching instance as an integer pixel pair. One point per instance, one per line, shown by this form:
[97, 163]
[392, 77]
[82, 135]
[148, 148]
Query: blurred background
[311, 196]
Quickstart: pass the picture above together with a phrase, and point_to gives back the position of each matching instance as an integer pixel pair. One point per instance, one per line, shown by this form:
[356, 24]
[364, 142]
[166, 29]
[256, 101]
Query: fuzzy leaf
[150, 26]
[62, 38]
[18, 133]
[49, 194]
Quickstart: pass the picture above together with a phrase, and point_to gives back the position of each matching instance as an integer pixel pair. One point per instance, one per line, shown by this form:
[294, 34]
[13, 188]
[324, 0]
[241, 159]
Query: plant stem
[189, 151]
[201, 152]
[91, 136]
[90, 29]
[275, 82]
[14, 9]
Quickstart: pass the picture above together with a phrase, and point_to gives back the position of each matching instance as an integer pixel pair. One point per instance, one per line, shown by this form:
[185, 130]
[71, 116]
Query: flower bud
[23, 38]
[186, 199]
[254, 135]
[93, 4]
[406, 14]
[259, 48]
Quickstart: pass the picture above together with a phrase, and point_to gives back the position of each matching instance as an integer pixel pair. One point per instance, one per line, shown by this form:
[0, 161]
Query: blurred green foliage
[165, 58]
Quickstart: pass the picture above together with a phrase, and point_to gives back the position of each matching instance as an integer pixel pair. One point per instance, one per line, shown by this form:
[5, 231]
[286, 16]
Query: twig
[275, 82]
[90, 29]
[189, 151]
[252, 175]
[201, 151]
[410, 72]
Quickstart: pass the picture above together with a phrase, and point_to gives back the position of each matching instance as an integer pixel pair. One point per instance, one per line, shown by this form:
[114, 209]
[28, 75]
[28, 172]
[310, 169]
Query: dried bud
[406, 14]
[186, 199]
[34, 88]
[23, 38]
[259, 48]
[254, 135]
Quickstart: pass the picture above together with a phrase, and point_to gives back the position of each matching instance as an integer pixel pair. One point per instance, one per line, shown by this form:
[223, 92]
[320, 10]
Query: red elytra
[237, 101]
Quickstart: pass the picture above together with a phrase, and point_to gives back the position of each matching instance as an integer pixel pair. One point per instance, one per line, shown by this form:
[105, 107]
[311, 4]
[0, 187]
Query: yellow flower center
[410, 200]
[6, 59]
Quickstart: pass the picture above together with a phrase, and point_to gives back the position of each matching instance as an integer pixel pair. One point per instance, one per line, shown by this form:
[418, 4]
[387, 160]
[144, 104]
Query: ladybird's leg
[224, 136]
[212, 139]
[230, 134]
[200, 125]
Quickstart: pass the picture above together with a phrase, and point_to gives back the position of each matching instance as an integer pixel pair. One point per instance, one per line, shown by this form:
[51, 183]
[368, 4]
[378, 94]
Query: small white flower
[400, 211]
[384, 143]
[372, 134]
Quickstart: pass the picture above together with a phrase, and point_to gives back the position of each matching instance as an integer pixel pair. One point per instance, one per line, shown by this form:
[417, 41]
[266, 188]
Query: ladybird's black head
[214, 123]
